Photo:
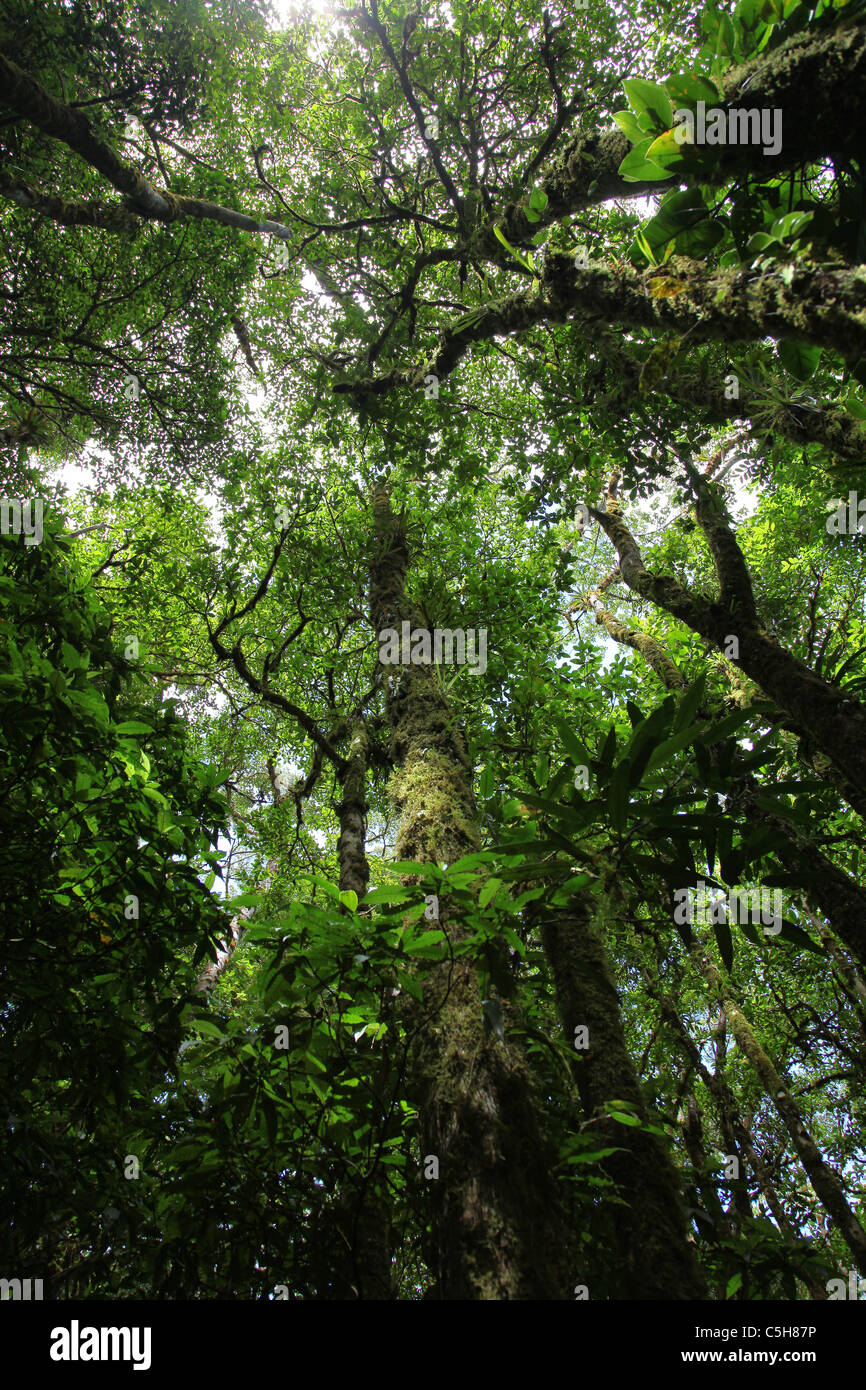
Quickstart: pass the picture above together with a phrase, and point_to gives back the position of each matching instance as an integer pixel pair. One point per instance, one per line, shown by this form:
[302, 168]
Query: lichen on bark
[495, 1230]
[650, 1257]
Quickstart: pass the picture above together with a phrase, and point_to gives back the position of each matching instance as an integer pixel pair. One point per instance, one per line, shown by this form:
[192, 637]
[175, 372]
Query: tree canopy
[433, 649]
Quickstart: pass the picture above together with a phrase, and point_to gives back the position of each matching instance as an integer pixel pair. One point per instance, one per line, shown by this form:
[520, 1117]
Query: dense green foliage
[319, 317]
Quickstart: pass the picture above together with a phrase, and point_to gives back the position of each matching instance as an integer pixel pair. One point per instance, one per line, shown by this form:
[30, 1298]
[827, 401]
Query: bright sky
[287, 10]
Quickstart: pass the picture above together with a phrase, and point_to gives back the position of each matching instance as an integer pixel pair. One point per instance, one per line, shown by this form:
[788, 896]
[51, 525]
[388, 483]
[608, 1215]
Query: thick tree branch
[732, 572]
[111, 218]
[831, 67]
[29, 99]
[828, 425]
[836, 722]
[820, 306]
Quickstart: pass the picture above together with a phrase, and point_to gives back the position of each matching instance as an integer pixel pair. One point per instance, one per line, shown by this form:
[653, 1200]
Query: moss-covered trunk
[495, 1226]
[735, 1137]
[825, 1183]
[833, 720]
[362, 1215]
[839, 897]
[651, 1258]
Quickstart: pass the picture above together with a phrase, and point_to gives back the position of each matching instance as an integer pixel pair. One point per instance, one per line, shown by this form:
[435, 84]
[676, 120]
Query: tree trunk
[495, 1225]
[737, 1140]
[826, 1185]
[652, 1257]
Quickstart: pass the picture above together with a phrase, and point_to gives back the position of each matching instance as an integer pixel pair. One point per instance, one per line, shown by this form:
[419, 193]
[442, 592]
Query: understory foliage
[537, 971]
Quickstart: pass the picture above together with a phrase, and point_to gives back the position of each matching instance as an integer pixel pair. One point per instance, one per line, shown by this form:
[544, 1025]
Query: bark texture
[825, 1183]
[495, 1226]
[651, 1258]
[737, 1139]
[836, 722]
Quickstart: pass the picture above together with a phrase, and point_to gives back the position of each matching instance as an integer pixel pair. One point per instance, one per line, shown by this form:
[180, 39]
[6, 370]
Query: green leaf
[411, 866]
[420, 945]
[617, 797]
[645, 738]
[636, 168]
[629, 126]
[697, 242]
[800, 359]
[650, 97]
[330, 888]
[635, 714]
[642, 244]
[666, 151]
[688, 706]
[854, 405]
[529, 264]
[572, 744]
[470, 861]
[790, 226]
[608, 748]
[725, 726]
[569, 815]
[673, 745]
[207, 1029]
[677, 212]
[592, 1155]
[571, 885]
[759, 241]
[797, 937]
[489, 891]
[250, 899]
[349, 899]
[398, 893]
[687, 91]
[493, 1020]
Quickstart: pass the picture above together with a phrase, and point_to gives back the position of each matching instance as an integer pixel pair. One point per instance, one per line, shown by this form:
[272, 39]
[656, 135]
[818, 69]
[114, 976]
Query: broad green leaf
[489, 891]
[617, 797]
[801, 359]
[688, 90]
[673, 745]
[629, 126]
[688, 706]
[666, 151]
[637, 168]
[651, 97]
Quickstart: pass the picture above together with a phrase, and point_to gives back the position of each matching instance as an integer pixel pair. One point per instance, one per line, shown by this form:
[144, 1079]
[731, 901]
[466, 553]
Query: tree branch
[820, 306]
[29, 98]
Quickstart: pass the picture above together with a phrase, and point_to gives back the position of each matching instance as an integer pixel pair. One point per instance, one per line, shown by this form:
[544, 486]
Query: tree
[544, 978]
